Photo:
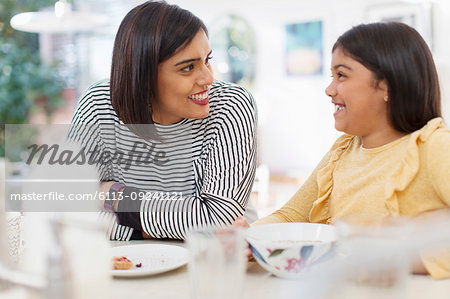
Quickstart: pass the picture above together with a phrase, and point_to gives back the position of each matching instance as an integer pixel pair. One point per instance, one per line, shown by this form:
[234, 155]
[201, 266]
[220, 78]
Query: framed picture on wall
[416, 15]
[304, 48]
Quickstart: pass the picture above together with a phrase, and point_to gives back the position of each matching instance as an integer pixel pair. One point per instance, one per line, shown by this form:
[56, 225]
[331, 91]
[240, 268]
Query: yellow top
[408, 176]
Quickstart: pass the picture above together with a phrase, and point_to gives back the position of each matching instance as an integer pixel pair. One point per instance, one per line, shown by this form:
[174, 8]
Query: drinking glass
[376, 257]
[217, 263]
[14, 233]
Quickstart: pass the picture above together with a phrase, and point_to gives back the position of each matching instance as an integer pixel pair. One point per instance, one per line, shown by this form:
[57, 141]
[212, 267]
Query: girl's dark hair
[396, 53]
[148, 35]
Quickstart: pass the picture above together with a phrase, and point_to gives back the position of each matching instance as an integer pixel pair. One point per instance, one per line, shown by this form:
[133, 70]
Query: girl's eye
[188, 68]
[338, 75]
[208, 59]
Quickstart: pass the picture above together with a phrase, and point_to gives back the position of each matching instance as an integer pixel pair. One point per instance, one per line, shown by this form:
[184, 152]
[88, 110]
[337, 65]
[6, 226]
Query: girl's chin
[341, 128]
[338, 127]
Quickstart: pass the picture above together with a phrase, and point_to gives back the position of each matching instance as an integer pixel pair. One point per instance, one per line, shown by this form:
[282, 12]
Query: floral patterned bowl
[288, 250]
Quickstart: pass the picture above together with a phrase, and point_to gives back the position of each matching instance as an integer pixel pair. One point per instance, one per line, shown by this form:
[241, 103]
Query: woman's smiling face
[183, 83]
[360, 101]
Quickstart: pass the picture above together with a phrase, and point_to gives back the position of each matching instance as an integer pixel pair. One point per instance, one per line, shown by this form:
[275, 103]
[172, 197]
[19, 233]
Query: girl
[393, 158]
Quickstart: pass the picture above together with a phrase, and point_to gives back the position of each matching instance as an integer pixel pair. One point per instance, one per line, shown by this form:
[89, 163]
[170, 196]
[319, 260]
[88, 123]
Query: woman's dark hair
[148, 35]
[396, 53]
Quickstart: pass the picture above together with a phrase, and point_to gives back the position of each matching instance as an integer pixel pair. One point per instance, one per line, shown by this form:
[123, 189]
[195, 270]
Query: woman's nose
[206, 76]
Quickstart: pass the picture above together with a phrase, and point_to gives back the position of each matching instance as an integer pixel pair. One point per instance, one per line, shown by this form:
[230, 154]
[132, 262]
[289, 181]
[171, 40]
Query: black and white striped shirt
[208, 165]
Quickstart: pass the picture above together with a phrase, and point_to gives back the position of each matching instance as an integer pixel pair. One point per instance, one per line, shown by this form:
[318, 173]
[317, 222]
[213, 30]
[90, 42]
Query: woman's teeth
[199, 96]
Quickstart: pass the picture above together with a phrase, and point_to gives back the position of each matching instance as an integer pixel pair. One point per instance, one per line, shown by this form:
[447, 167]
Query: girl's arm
[298, 207]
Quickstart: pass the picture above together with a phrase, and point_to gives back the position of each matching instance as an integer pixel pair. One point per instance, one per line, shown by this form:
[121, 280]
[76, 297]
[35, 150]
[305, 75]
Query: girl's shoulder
[434, 134]
[437, 140]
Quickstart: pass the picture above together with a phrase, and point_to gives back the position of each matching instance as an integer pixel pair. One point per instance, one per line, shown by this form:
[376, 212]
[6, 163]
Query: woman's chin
[201, 114]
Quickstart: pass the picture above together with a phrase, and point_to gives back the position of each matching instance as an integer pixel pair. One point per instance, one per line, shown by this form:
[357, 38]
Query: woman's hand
[241, 222]
[145, 236]
[104, 189]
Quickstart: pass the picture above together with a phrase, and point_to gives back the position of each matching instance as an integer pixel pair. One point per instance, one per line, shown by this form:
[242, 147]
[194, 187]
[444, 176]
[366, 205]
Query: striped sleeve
[227, 174]
[86, 130]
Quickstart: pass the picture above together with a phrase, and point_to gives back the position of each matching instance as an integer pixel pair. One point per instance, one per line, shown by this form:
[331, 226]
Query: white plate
[155, 258]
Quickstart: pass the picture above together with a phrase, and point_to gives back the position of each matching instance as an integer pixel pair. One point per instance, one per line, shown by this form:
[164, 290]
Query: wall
[295, 116]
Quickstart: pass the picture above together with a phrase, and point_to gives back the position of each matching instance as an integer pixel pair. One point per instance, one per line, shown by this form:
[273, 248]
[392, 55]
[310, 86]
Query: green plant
[25, 82]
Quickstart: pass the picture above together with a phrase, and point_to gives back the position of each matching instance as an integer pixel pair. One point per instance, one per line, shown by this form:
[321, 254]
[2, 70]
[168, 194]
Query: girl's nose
[331, 89]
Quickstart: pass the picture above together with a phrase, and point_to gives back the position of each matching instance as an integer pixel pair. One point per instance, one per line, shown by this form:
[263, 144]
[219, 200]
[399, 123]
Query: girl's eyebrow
[342, 65]
[190, 60]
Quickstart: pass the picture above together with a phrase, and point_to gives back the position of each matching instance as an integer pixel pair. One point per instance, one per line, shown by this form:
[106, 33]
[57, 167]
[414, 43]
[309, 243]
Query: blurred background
[279, 50]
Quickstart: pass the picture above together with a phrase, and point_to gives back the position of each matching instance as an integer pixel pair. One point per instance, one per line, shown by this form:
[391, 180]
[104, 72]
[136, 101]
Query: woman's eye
[340, 75]
[188, 68]
[208, 59]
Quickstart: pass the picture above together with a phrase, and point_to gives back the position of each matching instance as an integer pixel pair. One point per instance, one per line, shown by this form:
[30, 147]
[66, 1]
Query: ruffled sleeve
[320, 209]
[408, 168]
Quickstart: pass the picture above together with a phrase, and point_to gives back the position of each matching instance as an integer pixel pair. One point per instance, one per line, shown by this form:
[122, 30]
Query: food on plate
[121, 263]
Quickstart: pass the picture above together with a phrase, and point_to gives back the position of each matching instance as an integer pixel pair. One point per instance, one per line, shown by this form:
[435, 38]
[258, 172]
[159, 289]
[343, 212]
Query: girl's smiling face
[183, 83]
[361, 102]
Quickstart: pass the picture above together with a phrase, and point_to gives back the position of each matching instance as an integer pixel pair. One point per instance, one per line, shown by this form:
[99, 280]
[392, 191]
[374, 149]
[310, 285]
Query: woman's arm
[86, 131]
[224, 174]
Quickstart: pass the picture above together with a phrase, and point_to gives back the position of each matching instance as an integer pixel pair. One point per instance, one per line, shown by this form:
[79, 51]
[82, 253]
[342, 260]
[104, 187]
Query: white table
[259, 284]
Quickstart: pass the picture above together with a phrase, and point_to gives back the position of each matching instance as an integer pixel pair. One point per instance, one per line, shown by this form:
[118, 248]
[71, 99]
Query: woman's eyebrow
[187, 61]
[191, 60]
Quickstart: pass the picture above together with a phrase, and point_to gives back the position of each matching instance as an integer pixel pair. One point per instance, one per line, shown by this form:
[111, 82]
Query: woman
[177, 147]
[393, 158]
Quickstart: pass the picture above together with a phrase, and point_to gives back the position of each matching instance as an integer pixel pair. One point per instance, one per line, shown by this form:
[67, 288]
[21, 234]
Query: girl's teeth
[338, 108]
